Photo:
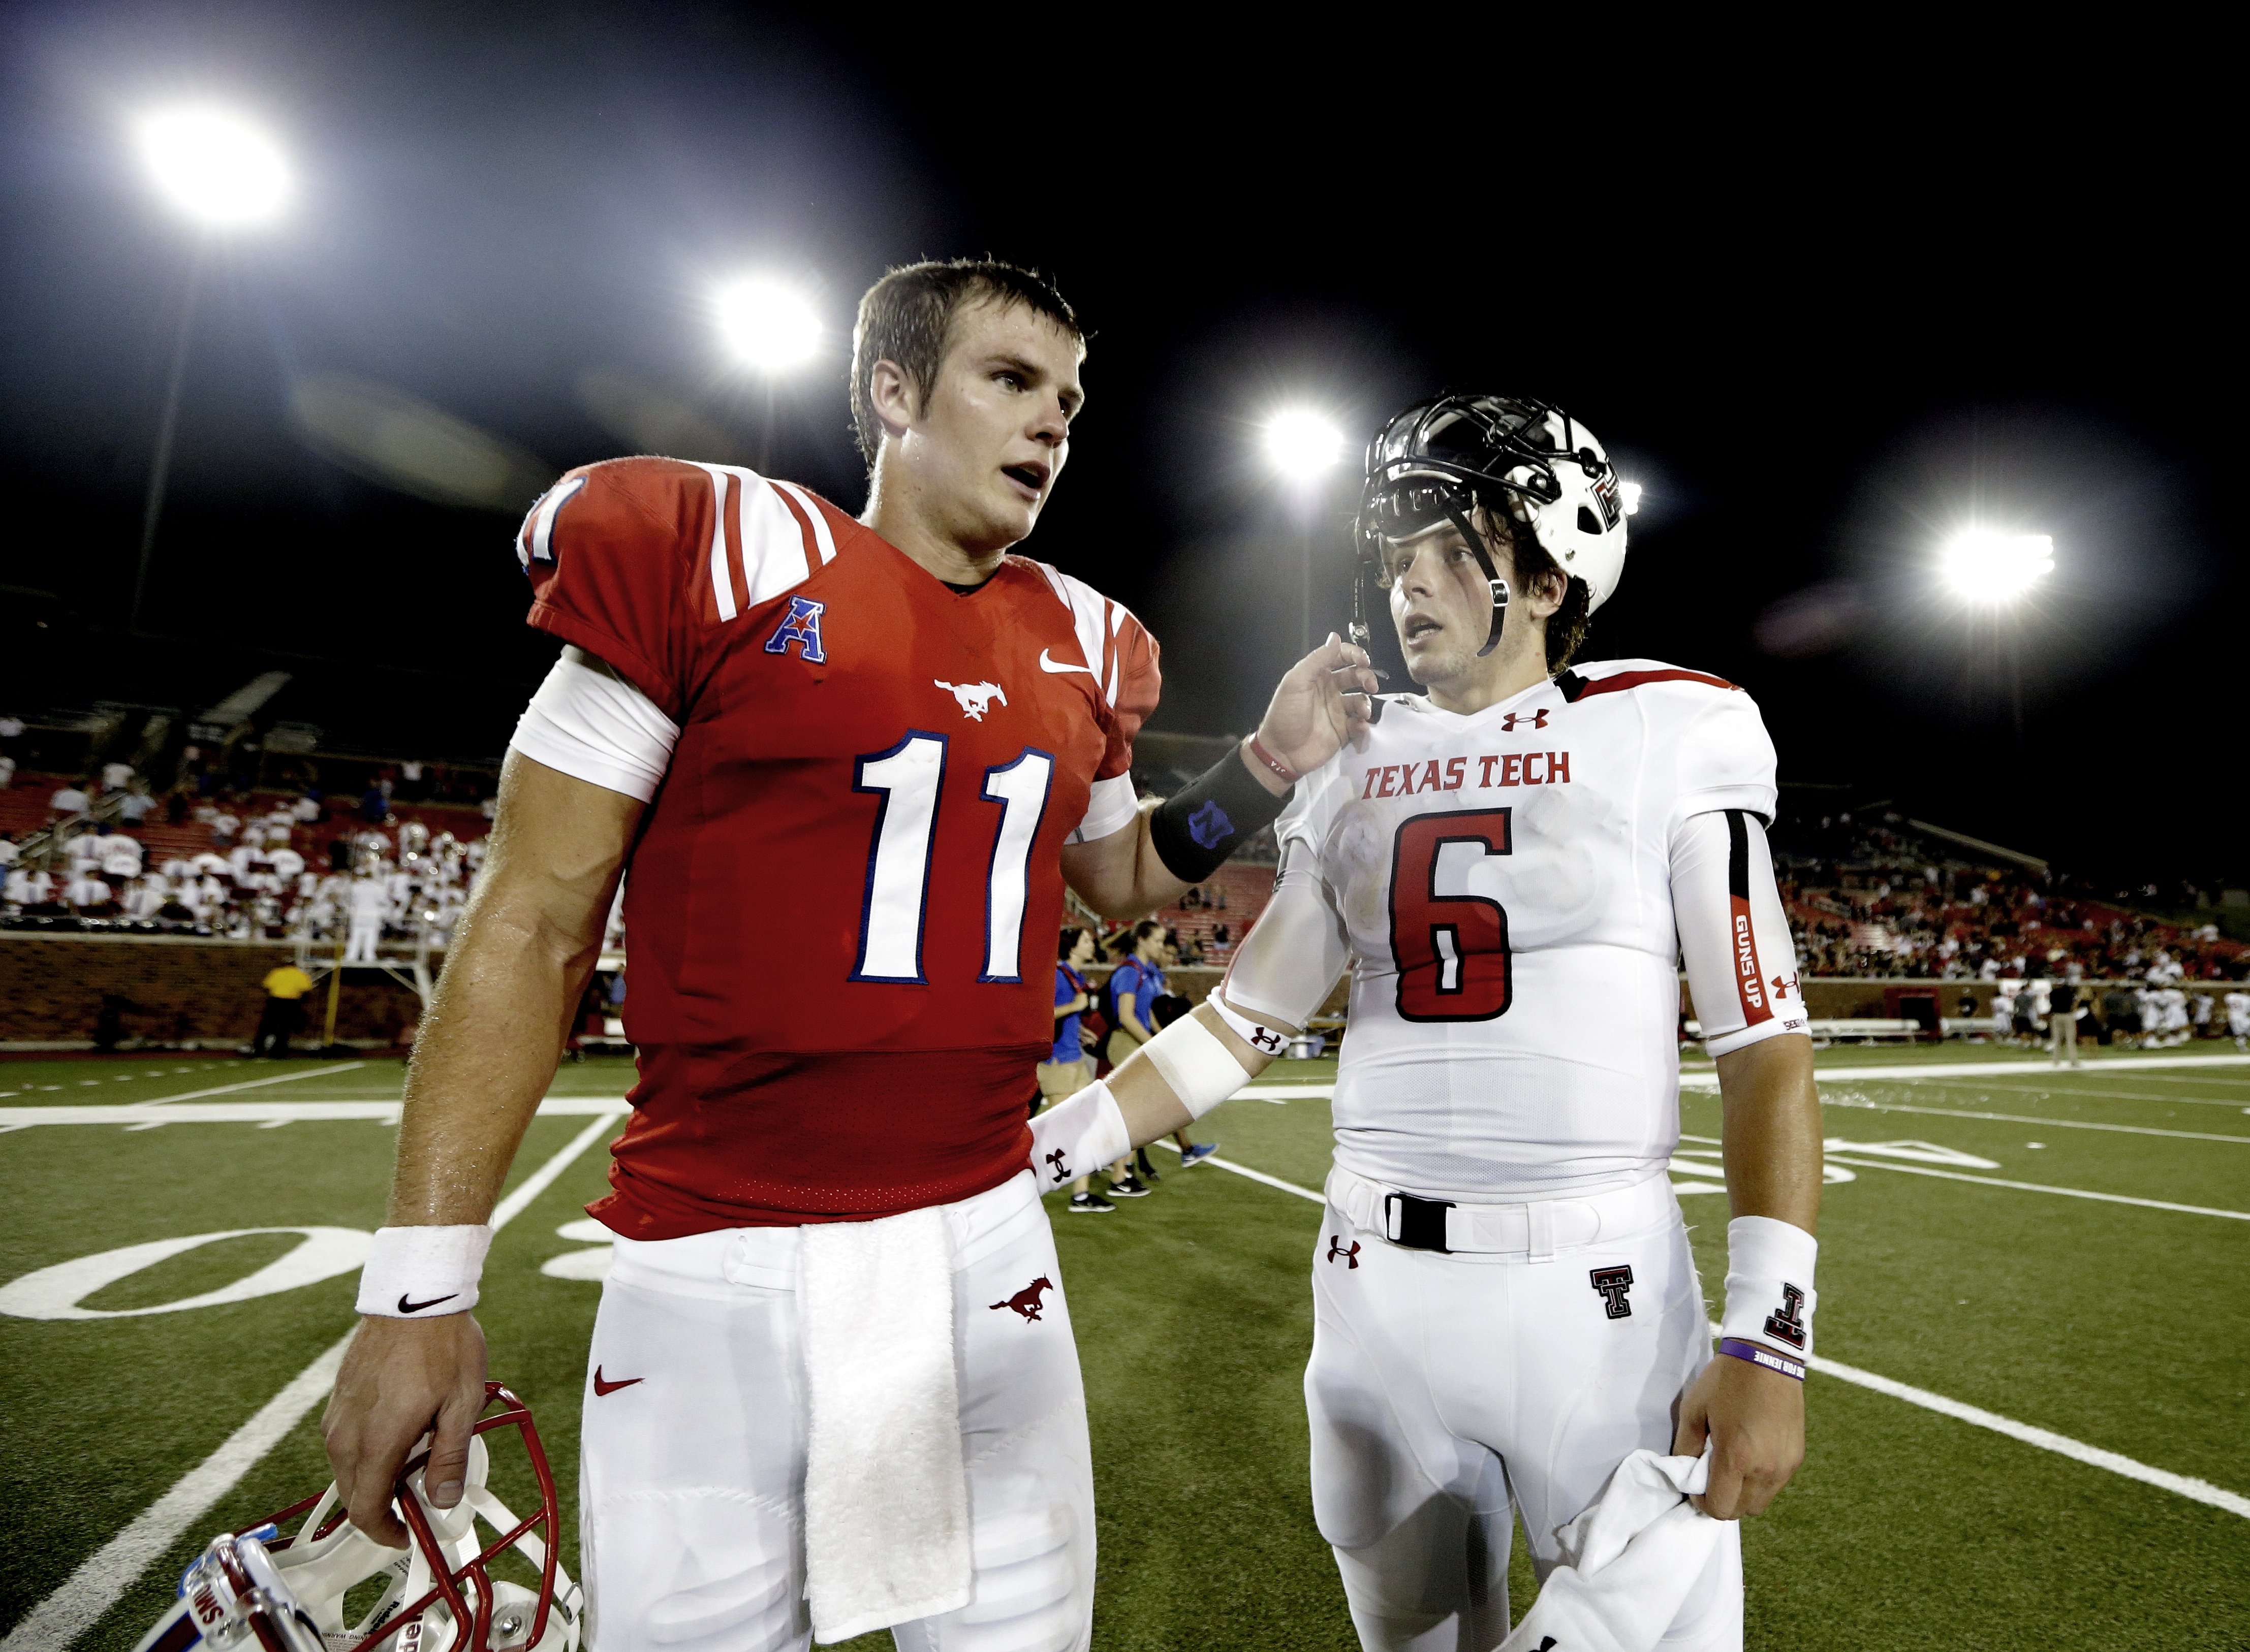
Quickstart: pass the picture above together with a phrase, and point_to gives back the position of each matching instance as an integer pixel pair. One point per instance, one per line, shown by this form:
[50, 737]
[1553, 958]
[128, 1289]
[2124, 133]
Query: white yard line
[1707, 1079]
[1843, 1158]
[2035, 1187]
[2073, 1092]
[2045, 1439]
[256, 1084]
[104, 1577]
[2023, 1118]
[135, 1115]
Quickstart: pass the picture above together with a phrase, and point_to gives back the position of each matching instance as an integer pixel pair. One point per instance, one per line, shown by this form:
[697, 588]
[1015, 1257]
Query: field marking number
[55, 1293]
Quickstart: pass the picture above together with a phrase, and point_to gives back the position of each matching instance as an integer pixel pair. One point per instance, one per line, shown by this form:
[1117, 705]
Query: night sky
[1827, 296]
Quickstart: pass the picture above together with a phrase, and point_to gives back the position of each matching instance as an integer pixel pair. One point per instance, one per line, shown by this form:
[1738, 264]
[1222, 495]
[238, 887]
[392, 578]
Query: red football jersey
[842, 906]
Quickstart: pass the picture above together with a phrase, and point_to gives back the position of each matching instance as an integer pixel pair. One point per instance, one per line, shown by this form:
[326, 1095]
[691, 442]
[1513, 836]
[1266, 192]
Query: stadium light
[1301, 443]
[767, 326]
[218, 168]
[1630, 492]
[1988, 566]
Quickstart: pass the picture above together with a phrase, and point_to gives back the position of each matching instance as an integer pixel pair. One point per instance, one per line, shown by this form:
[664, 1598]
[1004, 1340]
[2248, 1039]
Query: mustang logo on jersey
[976, 698]
[803, 628]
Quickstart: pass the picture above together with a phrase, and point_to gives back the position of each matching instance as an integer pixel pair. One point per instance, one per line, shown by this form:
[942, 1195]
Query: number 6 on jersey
[1452, 950]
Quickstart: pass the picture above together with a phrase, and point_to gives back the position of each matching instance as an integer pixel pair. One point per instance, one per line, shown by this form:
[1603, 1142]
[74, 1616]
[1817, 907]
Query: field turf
[2119, 1325]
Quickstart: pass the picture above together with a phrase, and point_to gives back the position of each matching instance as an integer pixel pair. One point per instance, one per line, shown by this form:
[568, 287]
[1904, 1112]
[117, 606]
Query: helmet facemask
[1517, 459]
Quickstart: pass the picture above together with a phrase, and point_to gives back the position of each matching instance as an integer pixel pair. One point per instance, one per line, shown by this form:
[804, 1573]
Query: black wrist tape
[1195, 832]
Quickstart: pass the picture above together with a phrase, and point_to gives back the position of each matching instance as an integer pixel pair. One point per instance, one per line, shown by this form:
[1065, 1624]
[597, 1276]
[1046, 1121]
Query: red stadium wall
[203, 993]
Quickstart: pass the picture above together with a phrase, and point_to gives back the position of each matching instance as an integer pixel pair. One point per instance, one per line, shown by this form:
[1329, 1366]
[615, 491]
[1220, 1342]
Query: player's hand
[1755, 1420]
[402, 1379]
[1321, 704]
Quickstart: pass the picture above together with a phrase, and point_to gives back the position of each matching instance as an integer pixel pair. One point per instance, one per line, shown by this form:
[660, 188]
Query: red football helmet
[259, 1589]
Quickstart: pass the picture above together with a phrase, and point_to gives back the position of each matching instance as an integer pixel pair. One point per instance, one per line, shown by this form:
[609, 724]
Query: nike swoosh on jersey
[601, 1388]
[405, 1306]
[1047, 665]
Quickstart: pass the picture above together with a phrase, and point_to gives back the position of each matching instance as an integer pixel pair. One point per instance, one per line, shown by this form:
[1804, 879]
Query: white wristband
[1263, 1039]
[423, 1273]
[1078, 1135]
[1770, 1294]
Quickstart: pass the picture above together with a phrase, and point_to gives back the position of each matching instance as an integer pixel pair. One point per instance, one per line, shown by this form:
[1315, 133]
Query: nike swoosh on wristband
[405, 1306]
[601, 1387]
[1047, 665]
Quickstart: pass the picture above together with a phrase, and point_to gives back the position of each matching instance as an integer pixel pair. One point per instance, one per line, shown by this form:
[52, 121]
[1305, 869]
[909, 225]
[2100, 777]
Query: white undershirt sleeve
[1294, 952]
[1733, 936]
[590, 724]
[1111, 808]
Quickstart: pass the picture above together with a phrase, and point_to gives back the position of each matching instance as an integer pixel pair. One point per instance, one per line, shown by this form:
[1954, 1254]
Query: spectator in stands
[1068, 1069]
[283, 1014]
[308, 807]
[369, 905]
[2121, 1015]
[135, 808]
[116, 776]
[120, 855]
[9, 854]
[2062, 1023]
[7, 771]
[70, 801]
[89, 897]
[27, 887]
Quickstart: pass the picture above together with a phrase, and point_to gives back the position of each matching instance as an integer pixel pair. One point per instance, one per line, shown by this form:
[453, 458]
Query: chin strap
[1499, 586]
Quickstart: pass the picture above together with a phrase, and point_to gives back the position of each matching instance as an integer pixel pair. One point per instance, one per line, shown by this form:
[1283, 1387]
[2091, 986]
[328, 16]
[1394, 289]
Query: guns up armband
[1196, 831]
[1770, 1294]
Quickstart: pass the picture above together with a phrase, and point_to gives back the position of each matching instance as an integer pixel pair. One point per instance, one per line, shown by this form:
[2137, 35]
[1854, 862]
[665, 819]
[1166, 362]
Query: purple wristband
[1766, 1359]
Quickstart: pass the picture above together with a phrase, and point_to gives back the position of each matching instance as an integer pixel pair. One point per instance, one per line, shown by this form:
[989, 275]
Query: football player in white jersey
[2237, 1017]
[1506, 1301]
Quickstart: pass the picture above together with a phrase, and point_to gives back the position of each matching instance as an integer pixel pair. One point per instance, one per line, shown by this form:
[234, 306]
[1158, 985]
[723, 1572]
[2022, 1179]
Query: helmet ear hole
[1586, 522]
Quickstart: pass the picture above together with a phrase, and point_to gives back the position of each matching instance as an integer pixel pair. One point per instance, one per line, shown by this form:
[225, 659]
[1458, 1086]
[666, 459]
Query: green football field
[2026, 1428]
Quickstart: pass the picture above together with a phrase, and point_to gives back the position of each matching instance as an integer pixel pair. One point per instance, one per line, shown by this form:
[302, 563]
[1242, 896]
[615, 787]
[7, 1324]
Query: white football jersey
[1510, 892]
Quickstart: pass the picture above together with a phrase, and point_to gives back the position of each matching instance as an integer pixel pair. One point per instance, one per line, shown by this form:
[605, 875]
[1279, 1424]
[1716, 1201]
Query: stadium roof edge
[1980, 845]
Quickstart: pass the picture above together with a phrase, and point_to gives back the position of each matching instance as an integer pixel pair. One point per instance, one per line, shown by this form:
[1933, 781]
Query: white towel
[1629, 1560]
[886, 1498]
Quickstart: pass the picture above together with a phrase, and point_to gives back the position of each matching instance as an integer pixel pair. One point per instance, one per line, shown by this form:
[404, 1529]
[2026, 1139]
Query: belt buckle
[1419, 1224]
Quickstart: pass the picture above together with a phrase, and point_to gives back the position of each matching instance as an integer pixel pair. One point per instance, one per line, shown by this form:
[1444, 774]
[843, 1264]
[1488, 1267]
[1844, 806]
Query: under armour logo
[1061, 1170]
[1026, 1301]
[1267, 1039]
[1614, 1282]
[1784, 985]
[1538, 720]
[1788, 1322]
[976, 698]
[803, 628]
[1349, 1255]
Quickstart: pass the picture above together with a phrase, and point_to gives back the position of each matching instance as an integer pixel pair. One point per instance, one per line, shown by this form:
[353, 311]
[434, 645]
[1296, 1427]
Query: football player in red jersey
[850, 766]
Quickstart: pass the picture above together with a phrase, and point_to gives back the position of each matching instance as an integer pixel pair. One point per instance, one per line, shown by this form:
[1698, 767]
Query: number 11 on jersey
[910, 778]
[1451, 950]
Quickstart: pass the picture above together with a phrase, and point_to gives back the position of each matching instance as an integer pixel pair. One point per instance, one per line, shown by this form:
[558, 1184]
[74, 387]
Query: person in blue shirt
[1069, 1067]
[1130, 996]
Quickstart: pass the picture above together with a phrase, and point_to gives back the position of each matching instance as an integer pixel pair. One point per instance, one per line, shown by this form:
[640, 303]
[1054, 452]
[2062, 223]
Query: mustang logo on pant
[1026, 1301]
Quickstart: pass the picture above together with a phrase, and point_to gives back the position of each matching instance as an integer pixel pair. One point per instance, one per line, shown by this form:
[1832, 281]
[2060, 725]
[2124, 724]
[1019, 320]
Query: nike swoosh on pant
[601, 1388]
[1047, 665]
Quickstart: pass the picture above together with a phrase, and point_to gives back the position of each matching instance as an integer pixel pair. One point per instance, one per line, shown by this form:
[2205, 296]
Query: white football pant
[693, 1474]
[1445, 1388]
